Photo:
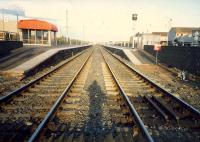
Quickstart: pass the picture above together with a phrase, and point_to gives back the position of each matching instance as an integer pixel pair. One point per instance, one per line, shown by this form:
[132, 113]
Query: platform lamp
[134, 19]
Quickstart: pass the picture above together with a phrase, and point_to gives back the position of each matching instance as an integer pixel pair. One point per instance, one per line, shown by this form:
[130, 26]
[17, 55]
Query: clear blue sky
[103, 20]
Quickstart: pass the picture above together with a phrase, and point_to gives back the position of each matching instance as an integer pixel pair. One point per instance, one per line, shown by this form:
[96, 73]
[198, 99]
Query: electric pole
[83, 34]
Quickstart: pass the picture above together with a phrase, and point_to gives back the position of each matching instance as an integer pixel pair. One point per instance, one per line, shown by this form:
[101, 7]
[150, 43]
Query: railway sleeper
[24, 94]
[66, 115]
[119, 134]
[65, 106]
[71, 100]
[78, 86]
[50, 81]
[16, 115]
[112, 93]
[73, 94]
[76, 90]
[47, 90]
[50, 86]
[111, 88]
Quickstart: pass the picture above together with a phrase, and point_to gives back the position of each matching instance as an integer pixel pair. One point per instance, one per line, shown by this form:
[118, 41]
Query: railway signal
[157, 48]
[134, 19]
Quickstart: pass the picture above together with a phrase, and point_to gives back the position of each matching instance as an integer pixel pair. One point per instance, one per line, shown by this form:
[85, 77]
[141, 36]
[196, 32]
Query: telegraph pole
[169, 28]
[67, 31]
[83, 34]
[3, 18]
[18, 37]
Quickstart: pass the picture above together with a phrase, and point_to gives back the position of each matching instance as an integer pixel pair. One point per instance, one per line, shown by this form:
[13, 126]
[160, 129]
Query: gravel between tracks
[99, 118]
[96, 118]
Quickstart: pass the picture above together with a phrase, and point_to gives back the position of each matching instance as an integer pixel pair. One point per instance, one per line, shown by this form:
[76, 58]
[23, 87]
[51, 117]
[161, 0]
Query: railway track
[87, 111]
[166, 117]
[22, 110]
[102, 100]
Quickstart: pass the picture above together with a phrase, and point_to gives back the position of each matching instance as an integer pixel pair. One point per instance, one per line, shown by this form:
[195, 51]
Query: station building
[37, 32]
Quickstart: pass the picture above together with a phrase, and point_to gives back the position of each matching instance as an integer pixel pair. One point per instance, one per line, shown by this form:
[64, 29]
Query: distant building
[121, 43]
[37, 32]
[163, 37]
[150, 39]
[13, 26]
[182, 36]
[8, 24]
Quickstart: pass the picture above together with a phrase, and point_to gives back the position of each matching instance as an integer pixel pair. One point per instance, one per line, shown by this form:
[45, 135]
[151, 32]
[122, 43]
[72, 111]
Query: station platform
[143, 60]
[34, 61]
[19, 56]
[132, 55]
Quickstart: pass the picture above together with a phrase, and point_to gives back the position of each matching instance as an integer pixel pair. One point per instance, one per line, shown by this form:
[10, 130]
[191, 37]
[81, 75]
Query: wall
[7, 46]
[148, 39]
[183, 58]
[116, 51]
[55, 59]
[171, 35]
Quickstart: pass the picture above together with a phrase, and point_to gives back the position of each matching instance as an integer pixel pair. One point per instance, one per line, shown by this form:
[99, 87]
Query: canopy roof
[36, 25]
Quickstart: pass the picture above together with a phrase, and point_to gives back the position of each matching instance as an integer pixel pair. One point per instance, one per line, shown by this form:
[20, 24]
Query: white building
[150, 39]
[184, 36]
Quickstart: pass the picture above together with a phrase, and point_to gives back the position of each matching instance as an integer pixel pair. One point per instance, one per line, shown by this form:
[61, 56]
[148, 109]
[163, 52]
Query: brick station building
[37, 32]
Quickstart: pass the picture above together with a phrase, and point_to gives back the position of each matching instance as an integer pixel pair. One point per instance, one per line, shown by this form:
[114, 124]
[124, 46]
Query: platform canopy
[36, 25]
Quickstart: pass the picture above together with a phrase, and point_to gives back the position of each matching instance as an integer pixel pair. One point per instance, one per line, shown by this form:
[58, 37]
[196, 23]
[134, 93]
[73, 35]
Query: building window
[25, 35]
[45, 37]
[32, 36]
[39, 37]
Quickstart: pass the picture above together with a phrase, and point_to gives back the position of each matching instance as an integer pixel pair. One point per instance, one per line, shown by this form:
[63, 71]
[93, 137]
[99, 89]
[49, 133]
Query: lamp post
[134, 19]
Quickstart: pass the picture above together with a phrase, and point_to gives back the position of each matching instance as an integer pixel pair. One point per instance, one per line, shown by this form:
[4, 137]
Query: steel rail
[136, 116]
[7, 97]
[53, 109]
[186, 105]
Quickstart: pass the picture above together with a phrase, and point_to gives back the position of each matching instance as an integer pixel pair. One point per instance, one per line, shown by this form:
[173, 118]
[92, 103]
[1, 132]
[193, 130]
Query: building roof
[160, 33]
[185, 29]
[36, 25]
